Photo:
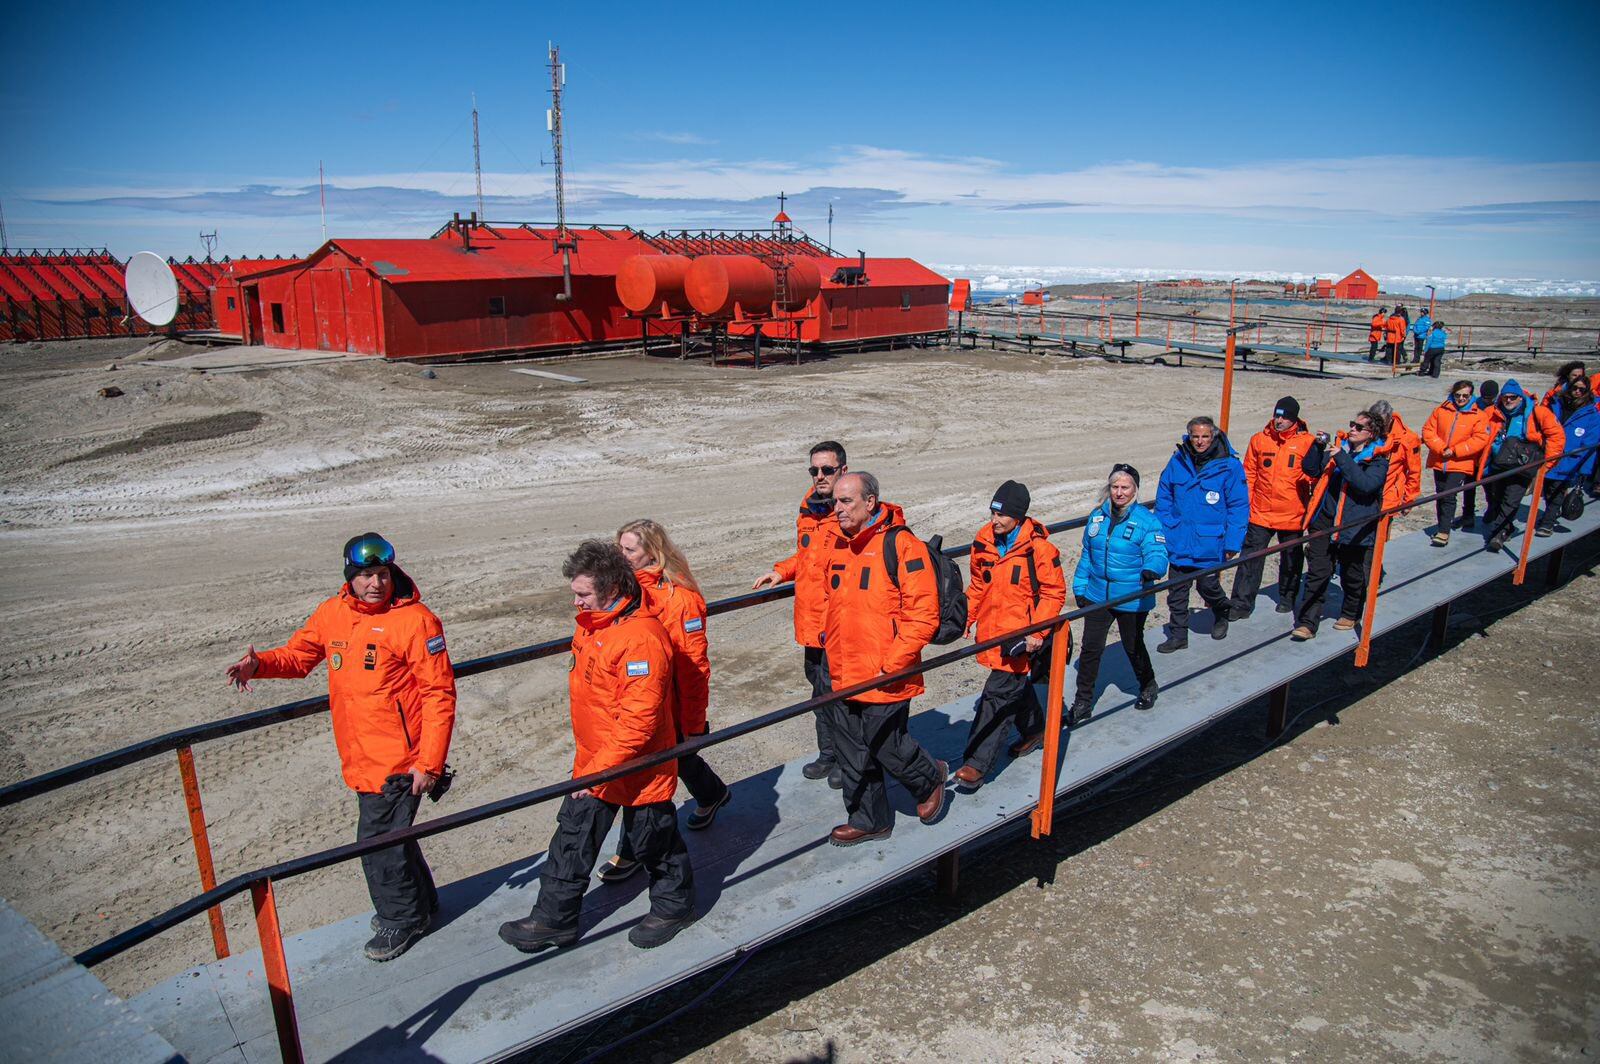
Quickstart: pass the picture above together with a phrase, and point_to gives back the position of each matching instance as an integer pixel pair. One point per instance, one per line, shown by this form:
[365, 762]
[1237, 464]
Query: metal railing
[260, 882]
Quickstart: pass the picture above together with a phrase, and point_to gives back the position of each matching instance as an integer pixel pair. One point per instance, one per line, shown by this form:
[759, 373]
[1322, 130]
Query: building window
[277, 317]
[905, 300]
[230, 303]
[497, 306]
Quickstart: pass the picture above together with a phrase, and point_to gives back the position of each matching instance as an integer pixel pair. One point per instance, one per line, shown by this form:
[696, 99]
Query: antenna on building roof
[5, 244]
[477, 164]
[564, 242]
[322, 198]
[210, 241]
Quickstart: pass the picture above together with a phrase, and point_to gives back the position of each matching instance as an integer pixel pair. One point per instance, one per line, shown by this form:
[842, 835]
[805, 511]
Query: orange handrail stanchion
[1227, 384]
[1370, 607]
[1336, 338]
[277, 966]
[1533, 521]
[202, 845]
[1060, 646]
[1169, 335]
[1138, 307]
[1308, 343]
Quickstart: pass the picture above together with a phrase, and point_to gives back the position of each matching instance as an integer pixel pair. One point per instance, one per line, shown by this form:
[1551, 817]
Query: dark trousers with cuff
[871, 739]
[398, 879]
[1210, 587]
[1416, 348]
[1096, 626]
[581, 828]
[1504, 496]
[705, 787]
[1445, 508]
[1322, 557]
[816, 665]
[1432, 362]
[1372, 351]
[1247, 577]
[1555, 494]
[1007, 696]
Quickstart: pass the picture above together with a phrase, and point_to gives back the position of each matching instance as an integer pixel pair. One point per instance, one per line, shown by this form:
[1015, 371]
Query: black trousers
[1416, 348]
[1372, 350]
[1445, 508]
[1432, 361]
[1354, 564]
[816, 665]
[398, 879]
[1210, 586]
[871, 739]
[1007, 696]
[1247, 577]
[1555, 494]
[581, 828]
[1096, 626]
[1394, 351]
[705, 787]
[1504, 496]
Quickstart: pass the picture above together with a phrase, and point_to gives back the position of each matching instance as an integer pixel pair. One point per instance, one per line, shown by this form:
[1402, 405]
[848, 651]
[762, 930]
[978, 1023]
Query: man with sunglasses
[807, 567]
[1575, 408]
[1349, 489]
[1280, 487]
[392, 703]
[1455, 434]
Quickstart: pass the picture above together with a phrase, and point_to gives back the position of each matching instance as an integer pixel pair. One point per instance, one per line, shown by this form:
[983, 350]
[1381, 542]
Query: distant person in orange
[807, 567]
[1394, 335]
[877, 623]
[672, 596]
[619, 683]
[1016, 581]
[1375, 334]
[392, 703]
[1280, 488]
[1455, 434]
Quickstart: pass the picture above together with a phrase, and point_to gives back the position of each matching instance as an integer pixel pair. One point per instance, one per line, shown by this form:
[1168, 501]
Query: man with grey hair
[882, 609]
[1204, 506]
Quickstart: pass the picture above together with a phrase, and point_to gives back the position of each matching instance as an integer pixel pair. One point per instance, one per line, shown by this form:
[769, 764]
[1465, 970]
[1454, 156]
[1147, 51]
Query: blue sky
[1429, 140]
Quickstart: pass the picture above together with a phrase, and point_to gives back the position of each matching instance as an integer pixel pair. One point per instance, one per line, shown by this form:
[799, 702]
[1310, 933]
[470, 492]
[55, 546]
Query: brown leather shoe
[1344, 624]
[1027, 745]
[1302, 633]
[928, 810]
[968, 778]
[845, 835]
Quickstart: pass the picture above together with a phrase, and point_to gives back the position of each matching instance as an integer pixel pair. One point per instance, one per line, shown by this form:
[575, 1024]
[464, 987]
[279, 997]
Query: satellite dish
[152, 290]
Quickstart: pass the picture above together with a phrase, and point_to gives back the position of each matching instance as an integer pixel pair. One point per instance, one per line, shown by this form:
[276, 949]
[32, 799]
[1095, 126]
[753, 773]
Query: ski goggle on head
[370, 549]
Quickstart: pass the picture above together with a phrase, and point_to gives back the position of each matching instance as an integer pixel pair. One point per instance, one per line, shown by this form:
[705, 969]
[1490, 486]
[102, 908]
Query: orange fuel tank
[716, 284]
[805, 281]
[653, 284]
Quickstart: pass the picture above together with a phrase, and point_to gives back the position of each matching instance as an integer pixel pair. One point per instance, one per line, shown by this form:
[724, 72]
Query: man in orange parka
[1394, 335]
[808, 568]
[1016, 580]
[619, 683]
[1376, 332]
[1456, 434]
[392, 702]
[1274, 472]
[877, 623]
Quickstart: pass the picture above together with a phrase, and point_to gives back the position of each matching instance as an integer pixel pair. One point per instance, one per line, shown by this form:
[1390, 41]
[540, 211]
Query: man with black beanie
[1274, 472]
[1488, 392]
[392, 703]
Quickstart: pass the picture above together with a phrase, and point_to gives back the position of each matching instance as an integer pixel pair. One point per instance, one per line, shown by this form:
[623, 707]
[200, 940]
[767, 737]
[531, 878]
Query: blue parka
[1420, 327]
[1204, 511]
[1437, 338]
[1117, 553]
[1582, 427]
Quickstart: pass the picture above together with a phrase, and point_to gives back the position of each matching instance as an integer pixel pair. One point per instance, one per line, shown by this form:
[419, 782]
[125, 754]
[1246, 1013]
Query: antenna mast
[564, 242]
[5, 244]
[322, 197]
[210, 241]
[477, 164]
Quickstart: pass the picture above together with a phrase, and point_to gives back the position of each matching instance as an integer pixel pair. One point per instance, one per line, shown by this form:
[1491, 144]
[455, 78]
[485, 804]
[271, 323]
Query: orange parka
[1465, 433]
[1379, 323]
[391, 687]
[871, 627]
[620, 686]
[682, 612]
[1406, 452]
[1003, 596]
[1394, 330]
[808, 568]
[1274, 472]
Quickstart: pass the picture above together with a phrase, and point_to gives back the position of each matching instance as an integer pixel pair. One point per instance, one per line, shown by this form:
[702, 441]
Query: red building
[1358, 285]
[71, 294]
[227, 299]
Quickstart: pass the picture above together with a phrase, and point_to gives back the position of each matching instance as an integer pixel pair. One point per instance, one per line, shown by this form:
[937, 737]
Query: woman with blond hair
[668, 592]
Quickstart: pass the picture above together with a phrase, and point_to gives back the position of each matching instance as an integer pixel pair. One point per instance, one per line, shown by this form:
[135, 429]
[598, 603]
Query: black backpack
[947, 575]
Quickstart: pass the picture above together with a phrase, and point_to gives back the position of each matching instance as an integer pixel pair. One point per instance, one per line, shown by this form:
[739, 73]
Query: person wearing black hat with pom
[1280, 488]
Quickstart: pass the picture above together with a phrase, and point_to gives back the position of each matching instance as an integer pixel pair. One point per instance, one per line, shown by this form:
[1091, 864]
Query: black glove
[1149, 577]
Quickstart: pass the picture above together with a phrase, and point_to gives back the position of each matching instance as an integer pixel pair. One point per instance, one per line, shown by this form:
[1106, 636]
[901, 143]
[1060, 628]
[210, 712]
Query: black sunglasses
[824, 470]
[1361, 426]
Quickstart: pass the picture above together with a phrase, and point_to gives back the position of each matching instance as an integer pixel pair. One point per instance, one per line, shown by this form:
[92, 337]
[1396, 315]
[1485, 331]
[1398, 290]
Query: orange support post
[202, 845]
[1138, 306]
[1308, 342]
[1533, 520]
[277, 966]
[1060, 645]
[1336, 338]
[1227, 383]
[1169, 335]
[1370, 607]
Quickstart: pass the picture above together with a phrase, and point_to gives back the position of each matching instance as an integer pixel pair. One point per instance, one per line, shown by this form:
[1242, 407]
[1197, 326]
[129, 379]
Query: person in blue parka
[1204, 507]
[1575, 408]
[1419, 334]
[1124, 549]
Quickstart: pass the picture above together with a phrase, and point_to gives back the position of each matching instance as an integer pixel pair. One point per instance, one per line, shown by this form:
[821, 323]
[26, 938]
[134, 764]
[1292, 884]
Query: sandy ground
[148, 538]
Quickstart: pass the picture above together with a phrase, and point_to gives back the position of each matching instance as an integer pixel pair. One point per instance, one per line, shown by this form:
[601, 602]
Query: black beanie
[1489, 391]
[1287, 407]
[1011, 500]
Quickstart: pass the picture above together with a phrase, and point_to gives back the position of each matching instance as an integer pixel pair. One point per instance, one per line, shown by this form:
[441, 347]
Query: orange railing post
[1060, 646]
[277, 968]
[1370, 607]
[1533, 521]
[202, 845]
[1138, 307]
[1227, 384]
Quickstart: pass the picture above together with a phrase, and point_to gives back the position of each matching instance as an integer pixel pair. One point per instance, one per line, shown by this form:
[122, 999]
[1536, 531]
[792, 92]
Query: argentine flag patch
[694, 624]
[638, 668]
[436, 645]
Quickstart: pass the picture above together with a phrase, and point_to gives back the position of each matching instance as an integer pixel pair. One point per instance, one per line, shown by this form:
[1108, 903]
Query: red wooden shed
[1359, 284]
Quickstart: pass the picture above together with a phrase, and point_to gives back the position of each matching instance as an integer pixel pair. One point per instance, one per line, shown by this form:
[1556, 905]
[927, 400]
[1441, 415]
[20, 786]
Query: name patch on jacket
[694, 624]
[1212, 498]
[638, 668]
[436, 645]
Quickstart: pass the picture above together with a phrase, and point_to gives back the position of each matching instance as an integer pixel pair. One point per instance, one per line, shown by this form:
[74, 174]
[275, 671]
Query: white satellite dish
[152, 290]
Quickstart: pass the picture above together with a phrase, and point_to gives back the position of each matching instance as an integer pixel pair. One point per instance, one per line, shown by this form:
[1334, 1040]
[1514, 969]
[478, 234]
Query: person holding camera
[392, 703]
[1521, 432]
[1575, 408]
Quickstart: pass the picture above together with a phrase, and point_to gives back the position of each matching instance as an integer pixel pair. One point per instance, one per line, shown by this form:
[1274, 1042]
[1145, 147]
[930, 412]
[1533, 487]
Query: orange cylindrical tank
[717, 283]
[805, 281]
[645, 282]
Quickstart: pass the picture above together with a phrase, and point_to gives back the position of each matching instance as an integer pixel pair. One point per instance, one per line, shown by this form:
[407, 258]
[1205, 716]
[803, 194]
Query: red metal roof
[884, 271]
[526, 254]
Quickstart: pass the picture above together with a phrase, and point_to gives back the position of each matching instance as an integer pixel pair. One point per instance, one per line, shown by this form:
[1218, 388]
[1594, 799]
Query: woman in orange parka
[1016, 580]
[392, 702]
[1394, 335]
[671, 595]
[619, 682]
[1455, 434]
[1375, 332]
